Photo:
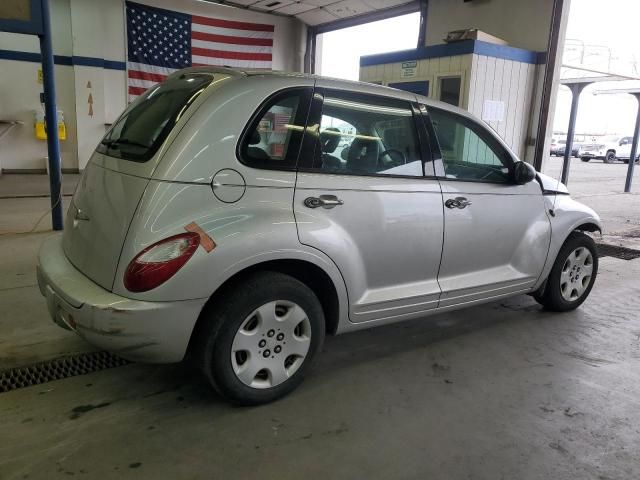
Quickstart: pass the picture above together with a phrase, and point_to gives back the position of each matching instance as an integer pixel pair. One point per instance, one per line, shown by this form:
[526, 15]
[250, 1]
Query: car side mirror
[523, 173]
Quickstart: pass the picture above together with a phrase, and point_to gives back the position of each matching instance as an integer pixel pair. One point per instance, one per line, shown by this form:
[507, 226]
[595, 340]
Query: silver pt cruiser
[240, 216]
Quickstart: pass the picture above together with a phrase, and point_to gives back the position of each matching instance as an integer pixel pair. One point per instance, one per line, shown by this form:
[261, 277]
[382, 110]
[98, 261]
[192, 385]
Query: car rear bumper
[154, 332]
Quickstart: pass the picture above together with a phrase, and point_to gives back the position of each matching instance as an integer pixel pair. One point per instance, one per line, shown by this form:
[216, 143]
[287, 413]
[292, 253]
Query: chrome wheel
[576, 274]
[271, 344]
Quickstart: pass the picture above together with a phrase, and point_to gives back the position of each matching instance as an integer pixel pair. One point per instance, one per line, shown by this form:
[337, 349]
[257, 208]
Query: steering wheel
[396, 151]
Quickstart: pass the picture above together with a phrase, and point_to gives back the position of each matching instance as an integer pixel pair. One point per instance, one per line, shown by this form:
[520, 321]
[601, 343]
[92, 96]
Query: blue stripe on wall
[63, 60]
[456, 48]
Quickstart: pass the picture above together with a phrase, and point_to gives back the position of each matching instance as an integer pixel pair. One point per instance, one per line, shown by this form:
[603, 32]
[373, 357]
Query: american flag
[161, 41]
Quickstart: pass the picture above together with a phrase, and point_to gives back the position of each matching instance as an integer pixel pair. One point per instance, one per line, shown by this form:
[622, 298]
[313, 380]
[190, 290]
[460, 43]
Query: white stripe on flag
[229, 62]
[143, 67]
[136, 82]
[230, 47]
[232, 32]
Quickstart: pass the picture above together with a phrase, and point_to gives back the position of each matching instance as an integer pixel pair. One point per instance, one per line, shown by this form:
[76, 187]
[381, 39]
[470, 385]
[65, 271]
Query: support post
[634, 148]
[547, 84]
[422, 33]
[576, 89]
[51, 115]
[310, 51]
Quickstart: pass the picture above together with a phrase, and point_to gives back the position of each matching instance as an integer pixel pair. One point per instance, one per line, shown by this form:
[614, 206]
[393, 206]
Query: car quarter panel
[208, 141]
[257, 228]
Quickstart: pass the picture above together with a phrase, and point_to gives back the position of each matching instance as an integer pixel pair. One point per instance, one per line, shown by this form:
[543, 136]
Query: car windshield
[145, 124]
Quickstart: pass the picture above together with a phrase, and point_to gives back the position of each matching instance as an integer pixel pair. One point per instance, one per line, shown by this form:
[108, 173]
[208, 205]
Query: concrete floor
[505, 390]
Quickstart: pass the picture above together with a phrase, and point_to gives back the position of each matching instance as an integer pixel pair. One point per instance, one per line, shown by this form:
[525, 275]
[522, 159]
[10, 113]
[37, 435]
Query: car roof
[329, 82]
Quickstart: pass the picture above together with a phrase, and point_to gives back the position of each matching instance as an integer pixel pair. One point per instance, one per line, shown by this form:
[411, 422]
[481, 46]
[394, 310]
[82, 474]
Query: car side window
[469, 152]
[366, 135]
[273, 137]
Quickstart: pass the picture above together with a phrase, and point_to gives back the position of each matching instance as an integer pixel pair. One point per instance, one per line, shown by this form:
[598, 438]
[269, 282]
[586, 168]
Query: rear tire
[259, 340]
[585, 159]
[572, 275]
[610, 157]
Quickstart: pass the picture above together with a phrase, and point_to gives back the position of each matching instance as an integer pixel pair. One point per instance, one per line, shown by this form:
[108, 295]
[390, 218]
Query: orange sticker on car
[205, 240]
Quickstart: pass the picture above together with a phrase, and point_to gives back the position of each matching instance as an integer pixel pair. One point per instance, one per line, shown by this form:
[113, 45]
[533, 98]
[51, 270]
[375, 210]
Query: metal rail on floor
[57, 369]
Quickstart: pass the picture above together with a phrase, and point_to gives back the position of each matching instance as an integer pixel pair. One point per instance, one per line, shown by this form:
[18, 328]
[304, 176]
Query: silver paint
[390, 248]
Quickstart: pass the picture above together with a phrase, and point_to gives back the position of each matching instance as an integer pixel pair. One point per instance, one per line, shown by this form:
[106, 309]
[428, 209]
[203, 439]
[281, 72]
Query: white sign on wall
[409, 69]
[493, 111]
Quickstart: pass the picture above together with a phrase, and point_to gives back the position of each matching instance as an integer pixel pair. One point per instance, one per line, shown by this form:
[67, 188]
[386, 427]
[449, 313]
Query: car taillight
[159, 262]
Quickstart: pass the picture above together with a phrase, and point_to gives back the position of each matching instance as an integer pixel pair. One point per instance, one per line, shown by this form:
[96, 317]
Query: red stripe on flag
[214, 22]
[136, 90]
[212, 37]
[140, 75]
[205, 52]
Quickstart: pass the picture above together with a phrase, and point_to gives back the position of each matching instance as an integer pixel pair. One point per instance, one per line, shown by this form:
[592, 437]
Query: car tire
[610, 157]
[585, 159]
[260, 313]
[572, 275]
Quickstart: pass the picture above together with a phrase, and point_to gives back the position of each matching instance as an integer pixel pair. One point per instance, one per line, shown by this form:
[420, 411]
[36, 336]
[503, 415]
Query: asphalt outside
[504, 390]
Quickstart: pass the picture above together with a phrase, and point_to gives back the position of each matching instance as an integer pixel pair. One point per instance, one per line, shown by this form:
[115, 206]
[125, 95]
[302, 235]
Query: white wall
[96, 28]
[19, 95]
[522, 23]
[512, 83]
[482, 78]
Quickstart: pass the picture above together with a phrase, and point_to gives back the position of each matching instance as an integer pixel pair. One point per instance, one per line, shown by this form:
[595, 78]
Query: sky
[597, 32]
[608, 30]
[341, 49]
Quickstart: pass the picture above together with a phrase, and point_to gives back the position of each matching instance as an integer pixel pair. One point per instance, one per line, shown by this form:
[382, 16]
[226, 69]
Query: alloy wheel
[576, 274]
[271, 344]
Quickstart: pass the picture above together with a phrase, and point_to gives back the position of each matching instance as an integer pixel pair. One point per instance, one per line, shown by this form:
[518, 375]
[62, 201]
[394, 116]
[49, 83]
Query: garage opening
[338, 52]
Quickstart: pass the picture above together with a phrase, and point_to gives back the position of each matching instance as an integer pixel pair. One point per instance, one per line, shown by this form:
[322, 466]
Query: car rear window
[147, 122]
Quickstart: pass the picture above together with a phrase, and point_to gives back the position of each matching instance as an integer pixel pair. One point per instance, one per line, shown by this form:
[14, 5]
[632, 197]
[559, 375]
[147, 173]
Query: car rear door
[496, 233]
[363, 199]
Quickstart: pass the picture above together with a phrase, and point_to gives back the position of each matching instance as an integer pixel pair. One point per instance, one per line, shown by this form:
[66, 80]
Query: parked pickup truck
[558, 148]
[609, 149]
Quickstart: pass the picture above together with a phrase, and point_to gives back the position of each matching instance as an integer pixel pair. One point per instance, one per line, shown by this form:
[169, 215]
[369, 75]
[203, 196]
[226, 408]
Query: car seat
[256, 152]
[328, 143]
[363, 156]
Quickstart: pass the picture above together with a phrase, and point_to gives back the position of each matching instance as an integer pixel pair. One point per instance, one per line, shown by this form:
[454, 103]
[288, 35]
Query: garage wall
[522, 23]
[512, 83]
[487, 72]
[429, 69]
[19, 94]
[90, 35]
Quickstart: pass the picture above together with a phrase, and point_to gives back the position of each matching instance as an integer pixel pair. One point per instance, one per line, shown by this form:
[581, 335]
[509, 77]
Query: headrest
[255, 138]
[330, 140]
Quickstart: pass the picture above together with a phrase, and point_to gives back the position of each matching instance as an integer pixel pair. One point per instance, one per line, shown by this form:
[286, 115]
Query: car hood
[551, 185]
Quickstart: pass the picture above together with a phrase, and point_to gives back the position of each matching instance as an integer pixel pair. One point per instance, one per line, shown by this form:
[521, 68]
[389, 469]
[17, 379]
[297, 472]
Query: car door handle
[458, 202]
[324, 201]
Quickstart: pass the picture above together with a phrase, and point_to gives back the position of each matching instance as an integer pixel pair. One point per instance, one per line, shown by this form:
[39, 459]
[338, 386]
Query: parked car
[215, 222]
[558, 147]
[609, 150]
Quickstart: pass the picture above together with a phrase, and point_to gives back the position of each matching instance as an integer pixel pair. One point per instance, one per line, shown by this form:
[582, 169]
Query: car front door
[362, 198]
[496, 233]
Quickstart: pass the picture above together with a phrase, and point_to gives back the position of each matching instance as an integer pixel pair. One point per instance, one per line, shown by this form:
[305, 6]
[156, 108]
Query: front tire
[259, 340]
[572, 275]
[610, 157]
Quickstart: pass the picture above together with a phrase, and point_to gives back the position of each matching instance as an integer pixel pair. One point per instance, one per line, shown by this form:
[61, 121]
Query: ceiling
[318, 12]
